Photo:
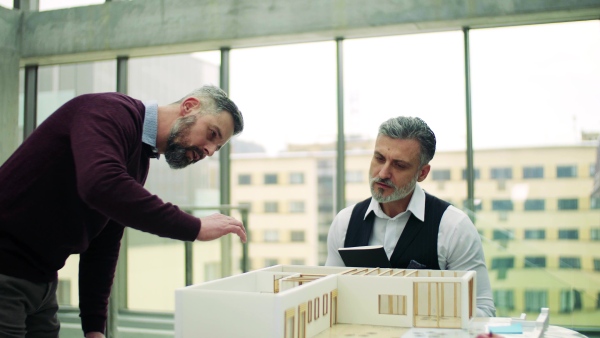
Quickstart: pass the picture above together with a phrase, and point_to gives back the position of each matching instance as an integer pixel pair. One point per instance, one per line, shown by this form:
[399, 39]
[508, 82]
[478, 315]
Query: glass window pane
[288, 96]
[419, 75]
[518, 88]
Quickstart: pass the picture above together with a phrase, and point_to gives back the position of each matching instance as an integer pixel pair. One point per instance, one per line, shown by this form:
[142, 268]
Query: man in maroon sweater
[77, 181]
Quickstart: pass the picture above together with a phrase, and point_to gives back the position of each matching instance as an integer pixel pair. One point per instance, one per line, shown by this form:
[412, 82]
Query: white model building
[302, 301]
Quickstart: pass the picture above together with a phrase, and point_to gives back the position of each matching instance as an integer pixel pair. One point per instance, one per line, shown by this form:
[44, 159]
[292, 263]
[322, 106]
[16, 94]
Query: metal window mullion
[225, 172]
[30, 109]
[340, 189]
[470, 172]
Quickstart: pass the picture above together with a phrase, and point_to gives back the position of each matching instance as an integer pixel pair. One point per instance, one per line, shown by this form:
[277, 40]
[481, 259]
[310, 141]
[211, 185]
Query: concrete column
[9, 82]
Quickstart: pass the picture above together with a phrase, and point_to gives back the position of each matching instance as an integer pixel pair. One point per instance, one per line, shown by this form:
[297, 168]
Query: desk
[478, 326]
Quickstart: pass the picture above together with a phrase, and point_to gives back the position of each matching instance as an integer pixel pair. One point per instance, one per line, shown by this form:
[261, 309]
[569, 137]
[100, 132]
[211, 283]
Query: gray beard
[175, 153]
[398, 194]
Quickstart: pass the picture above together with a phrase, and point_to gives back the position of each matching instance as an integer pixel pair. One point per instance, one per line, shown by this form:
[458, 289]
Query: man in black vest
[417, 230]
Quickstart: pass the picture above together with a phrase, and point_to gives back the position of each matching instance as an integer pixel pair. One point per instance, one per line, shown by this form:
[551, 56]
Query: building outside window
[244, 179]
[596, 264]
[271, 207]
[504, 299]
[501, 234]
[535, 234]
[568, 204]
[535, 300]
[533, 172]
[476, 173]
[355, 176]
[564, 171]
[296, 178]
[570, 299]
[296, 206]
[595, 234]
[478, 204]
[535, 262]
[534, 205]
[297, 261]
[297, 236]
[270, 179]
[271, 236]
[501, 173]
[503, 263]
[569, 263]
[595, 203]
[441, 175]
[271, 262]
[502, 205]
[568, 234]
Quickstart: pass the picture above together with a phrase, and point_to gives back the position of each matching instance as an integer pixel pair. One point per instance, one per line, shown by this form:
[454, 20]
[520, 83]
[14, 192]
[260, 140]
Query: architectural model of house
[303, 301]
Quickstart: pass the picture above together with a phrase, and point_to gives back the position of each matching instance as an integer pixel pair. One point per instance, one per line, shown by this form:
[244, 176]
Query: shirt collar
[416, 206]
[151, 126]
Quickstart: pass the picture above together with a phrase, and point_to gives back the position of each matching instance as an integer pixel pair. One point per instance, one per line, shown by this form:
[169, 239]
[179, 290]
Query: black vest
[417, 245]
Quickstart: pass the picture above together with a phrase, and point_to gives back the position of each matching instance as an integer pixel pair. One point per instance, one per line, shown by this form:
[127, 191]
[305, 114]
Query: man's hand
[217, 225]
[94, 335]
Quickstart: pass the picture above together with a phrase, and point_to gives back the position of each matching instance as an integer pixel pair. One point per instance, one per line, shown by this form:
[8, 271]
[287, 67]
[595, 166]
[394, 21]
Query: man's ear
[189, 106]
[423, 172]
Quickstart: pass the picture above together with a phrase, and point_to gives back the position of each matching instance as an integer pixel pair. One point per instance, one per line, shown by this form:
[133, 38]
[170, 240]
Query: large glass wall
[536, 124]
[536, 130]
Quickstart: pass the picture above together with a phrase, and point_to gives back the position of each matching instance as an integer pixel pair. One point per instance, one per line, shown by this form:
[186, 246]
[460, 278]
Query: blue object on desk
[507, 329]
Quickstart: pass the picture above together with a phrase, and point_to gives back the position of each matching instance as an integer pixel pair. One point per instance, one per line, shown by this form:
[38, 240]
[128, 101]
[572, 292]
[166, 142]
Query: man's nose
[210, 149]
[384, 172]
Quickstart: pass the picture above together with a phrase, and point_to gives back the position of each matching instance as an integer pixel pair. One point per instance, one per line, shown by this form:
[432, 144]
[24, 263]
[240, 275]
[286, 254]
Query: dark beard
[176, 157]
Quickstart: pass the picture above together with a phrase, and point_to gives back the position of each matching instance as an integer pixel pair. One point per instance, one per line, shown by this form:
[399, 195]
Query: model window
[392, 305]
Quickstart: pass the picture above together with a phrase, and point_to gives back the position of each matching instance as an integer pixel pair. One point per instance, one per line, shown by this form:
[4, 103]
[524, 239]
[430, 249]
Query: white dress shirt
[459, 246]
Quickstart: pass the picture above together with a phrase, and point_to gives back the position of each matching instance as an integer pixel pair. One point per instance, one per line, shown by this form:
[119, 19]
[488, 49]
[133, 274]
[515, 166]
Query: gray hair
[411, 128]
[214, 101]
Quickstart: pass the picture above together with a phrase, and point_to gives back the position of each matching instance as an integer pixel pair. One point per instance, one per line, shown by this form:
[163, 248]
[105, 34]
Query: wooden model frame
[302, 301]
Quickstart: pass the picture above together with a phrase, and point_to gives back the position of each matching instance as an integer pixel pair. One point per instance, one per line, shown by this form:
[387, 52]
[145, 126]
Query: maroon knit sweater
[71, 187]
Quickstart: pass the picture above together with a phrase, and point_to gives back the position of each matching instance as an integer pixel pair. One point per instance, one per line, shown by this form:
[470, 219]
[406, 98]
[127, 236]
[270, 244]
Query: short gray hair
[214, 100]
[411, 128]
